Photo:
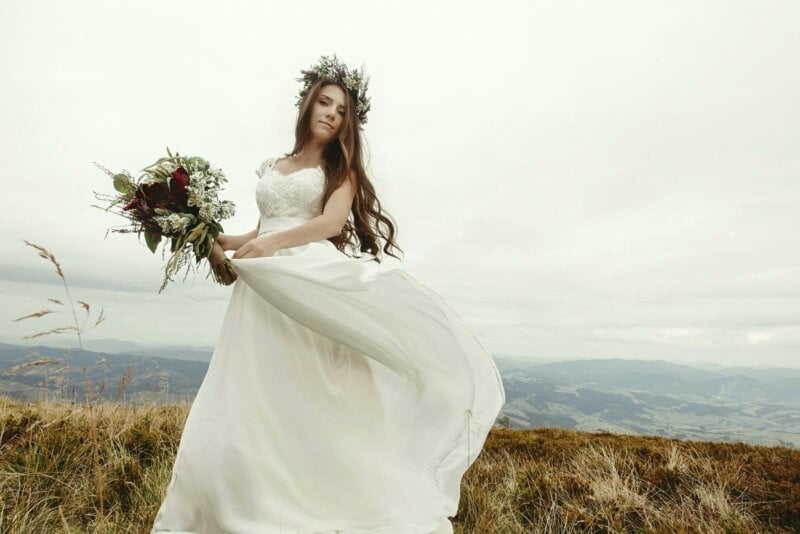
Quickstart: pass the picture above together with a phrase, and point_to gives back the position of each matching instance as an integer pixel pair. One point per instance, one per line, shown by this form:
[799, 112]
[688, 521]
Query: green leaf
[122, 183]
[158, 162]
[152, 238]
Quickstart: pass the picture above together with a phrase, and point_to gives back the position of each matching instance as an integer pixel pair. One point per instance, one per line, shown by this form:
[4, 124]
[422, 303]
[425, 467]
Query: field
[71, 468]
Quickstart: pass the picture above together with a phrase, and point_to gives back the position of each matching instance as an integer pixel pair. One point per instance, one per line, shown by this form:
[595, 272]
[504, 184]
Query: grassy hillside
[54, 479]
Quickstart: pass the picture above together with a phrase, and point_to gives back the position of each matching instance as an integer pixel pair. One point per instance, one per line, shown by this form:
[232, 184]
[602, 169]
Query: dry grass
[544, 480]
[62, 372]
[104, 467]
[552, 480]
[47, 480]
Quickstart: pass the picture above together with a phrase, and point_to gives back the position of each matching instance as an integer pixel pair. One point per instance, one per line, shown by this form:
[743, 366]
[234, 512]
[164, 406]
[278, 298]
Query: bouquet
[175, 198]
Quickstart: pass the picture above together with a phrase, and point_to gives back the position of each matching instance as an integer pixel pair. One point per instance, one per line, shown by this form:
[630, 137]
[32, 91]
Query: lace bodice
[297, 195]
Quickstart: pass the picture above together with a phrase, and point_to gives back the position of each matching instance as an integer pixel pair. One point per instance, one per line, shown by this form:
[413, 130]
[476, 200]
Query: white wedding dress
[342, 396]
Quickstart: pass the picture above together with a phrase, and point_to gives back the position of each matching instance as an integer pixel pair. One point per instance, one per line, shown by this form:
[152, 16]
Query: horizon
[699, 364]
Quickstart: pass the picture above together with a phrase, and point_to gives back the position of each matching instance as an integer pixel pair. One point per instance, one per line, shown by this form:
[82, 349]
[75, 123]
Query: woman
[342, 396]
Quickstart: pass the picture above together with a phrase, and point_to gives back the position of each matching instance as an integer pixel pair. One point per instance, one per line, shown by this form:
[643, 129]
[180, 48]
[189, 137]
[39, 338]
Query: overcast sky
[577, 179]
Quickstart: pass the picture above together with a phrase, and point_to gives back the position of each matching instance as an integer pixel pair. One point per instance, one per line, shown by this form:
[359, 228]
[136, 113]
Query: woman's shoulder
[266, 165]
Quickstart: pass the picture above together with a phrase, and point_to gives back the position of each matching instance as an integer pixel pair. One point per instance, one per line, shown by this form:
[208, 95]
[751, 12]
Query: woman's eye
[325, 103]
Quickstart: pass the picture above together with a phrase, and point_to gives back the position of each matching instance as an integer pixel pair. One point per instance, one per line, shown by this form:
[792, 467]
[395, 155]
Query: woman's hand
[217, 254]
[263, 245]
[223, 241]
[231, 242]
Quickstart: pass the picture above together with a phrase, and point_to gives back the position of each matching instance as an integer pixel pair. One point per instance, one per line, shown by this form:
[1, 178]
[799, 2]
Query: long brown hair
[341, 157]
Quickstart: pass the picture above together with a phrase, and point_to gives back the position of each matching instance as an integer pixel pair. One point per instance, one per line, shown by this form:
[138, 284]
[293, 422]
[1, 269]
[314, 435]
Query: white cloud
[575, 179]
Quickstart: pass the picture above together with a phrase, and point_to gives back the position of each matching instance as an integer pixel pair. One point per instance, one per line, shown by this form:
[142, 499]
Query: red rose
[150, 196]
[182, 176]
[156, 193]
[178, 185]
[132, 204]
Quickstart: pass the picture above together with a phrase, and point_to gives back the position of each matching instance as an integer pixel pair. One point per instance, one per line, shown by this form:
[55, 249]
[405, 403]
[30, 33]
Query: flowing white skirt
[342, 397]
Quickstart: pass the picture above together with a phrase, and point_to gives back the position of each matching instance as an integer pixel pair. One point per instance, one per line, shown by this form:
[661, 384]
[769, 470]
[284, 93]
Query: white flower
[174, 222]
[207, 212]
[168, 166]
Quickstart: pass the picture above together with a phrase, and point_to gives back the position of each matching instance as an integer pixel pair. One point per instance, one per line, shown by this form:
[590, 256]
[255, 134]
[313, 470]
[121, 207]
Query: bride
[343, 396]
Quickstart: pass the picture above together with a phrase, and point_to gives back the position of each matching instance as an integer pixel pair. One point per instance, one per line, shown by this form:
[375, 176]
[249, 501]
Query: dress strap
[267, 165]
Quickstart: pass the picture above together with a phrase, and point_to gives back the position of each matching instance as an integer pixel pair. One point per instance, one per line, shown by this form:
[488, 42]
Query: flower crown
[330, 68]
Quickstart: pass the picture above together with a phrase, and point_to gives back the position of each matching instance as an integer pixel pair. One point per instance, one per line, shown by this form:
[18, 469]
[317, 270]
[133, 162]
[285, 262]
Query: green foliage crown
[330, 68]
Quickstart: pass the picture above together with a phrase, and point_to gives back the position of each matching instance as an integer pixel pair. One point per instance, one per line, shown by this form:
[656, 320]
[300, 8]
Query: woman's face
[327, 112]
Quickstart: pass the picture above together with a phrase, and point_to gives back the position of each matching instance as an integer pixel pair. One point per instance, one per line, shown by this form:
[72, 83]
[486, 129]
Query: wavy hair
[367, 224]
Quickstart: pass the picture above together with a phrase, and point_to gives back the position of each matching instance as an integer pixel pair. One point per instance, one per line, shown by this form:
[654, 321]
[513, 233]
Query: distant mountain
[663, 377]
[656, 397]
[151, 377]
[770, 373]
[117, 346]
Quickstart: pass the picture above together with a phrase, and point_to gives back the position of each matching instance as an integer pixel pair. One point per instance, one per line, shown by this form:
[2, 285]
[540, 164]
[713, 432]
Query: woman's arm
[319, 228]
[328, 224]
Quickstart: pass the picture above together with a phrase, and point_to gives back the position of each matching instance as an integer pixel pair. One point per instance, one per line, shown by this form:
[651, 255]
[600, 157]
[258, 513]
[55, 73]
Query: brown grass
[62, 372]
[552, 480]
[47, 479]
[545, 480]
